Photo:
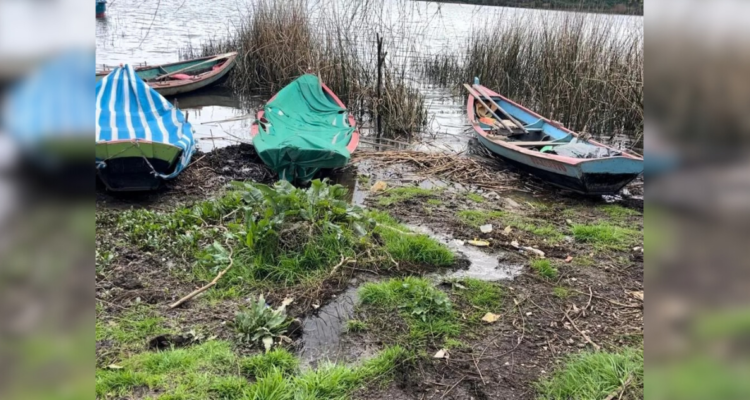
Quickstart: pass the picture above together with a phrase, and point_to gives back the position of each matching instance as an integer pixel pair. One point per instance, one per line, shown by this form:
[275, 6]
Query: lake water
[138, 31]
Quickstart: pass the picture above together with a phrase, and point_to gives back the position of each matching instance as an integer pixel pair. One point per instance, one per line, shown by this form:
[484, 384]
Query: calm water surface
[138, 31]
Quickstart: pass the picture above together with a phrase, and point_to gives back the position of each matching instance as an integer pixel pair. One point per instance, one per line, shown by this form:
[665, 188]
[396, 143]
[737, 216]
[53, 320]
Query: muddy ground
[595, 301]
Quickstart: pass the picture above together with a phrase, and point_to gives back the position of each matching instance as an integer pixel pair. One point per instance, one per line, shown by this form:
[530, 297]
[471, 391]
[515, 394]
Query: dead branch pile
[486, 174]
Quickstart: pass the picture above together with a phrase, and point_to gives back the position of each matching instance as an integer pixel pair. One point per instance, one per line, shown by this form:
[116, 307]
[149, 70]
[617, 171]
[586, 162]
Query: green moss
[544, 268]
[354, 326]
[618, 212]
[475, 197]
[401, 194]
[605, 236]
[539, 228]
[593, 375]
[478, 218]
[561, 292]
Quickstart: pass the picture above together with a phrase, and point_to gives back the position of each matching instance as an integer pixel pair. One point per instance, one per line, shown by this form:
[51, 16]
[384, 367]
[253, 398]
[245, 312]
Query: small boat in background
[183, 76]
[141, 139]
[304, 128]
[545, 148]
[101, 8]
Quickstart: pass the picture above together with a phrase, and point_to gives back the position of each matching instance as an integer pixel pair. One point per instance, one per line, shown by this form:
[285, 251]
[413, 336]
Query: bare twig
[619, 391]
[207, 286]
[585, 336]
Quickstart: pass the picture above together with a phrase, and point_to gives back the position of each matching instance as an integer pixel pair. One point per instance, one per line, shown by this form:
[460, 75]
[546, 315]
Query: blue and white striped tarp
[127, 109]
[53, 102]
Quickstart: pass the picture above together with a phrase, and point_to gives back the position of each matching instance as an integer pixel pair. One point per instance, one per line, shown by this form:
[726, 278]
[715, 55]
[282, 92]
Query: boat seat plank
[533, 144]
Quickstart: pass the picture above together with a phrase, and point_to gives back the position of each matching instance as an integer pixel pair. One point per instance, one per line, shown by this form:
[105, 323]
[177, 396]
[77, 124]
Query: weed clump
[260, 323]
[544, 268]
[278, 237]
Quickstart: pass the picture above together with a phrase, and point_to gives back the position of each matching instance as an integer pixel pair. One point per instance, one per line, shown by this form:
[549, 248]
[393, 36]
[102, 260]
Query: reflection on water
[217, 117]
[484, 266]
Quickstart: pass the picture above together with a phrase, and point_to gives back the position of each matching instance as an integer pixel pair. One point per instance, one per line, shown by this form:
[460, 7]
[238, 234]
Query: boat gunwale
[105, 72]
[510, 146]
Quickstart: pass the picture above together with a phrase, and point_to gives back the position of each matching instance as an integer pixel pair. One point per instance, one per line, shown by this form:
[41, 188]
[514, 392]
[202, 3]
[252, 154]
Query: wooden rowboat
[184, 76]
[304, 128]
[547, 149]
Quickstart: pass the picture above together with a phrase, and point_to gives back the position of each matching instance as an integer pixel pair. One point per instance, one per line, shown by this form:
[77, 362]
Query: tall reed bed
[584, 71]
[280, 40]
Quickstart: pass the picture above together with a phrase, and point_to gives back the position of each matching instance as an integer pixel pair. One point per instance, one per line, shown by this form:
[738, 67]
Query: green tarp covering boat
[304, 128]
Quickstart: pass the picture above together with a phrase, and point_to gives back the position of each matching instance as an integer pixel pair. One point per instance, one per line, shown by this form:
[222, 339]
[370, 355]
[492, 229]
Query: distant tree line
[634, 7]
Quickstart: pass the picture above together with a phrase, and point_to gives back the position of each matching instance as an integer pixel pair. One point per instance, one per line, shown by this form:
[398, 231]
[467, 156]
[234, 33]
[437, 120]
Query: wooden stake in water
[381, 59]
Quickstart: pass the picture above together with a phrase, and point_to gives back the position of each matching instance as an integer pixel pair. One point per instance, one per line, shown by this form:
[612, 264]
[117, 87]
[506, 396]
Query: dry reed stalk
[450, 167]
[585, 72]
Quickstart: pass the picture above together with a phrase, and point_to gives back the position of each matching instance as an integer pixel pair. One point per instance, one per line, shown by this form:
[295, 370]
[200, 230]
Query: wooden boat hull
[294, 155]
[178, 87]
[593, 176]
[128, 167]
[570, 177]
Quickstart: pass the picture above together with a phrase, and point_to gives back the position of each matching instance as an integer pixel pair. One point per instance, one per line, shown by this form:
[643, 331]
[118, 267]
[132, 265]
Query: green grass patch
[477, 218]
[276, 360]
[561, 292]
[402, 194]
[426, 310]
[477, 198]
[594, 375]
[485, 296]
[213, 371]
[409, 247]
[605, 236]
[544, 268]
[133, 328]
[618, 212]
[434, 202]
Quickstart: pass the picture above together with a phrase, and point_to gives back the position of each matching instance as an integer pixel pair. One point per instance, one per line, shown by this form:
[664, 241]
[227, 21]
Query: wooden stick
[479, 98]
[585, 336]
[219, 57]
[206, 287]
[480, 89]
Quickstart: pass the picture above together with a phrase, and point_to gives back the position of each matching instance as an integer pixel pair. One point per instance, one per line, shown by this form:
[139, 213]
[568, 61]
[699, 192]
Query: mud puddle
[484, 266]
[322, 333]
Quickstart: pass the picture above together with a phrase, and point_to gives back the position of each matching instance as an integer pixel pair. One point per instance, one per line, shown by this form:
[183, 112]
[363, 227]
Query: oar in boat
[219, 57]
[515, 121]
[479, 97]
